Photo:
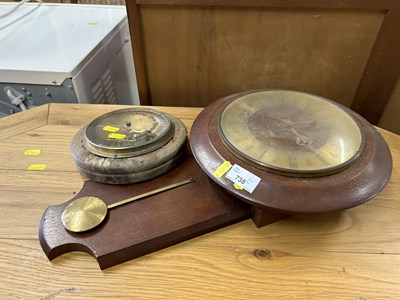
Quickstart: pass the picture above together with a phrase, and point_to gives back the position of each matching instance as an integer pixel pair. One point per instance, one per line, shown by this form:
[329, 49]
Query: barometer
[290, 152]
[145, 191]
[129, 145]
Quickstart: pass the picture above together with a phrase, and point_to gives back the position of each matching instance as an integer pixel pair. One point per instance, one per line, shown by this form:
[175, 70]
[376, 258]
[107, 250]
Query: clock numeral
[248, 108]
[262, 154]
[319, 156]
[292, 162]
[249, 147]
[240, 139]
[322, 159]
[309, 163]
[333, 154]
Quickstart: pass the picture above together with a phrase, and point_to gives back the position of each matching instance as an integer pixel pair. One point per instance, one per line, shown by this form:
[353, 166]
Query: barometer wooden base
[147, 225]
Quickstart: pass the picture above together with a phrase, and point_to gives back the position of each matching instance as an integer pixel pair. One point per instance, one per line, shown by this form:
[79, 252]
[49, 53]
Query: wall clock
[309, 154]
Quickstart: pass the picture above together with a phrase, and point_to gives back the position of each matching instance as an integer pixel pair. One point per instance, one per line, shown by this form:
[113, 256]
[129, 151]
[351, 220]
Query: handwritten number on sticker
[240, 180]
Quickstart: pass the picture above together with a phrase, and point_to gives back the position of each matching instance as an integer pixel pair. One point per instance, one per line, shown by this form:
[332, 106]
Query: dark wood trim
[366, 4]
[382, 70]
[138, 52]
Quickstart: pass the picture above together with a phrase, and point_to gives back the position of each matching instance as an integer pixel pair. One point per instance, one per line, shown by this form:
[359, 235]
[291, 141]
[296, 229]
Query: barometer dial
[128, 132]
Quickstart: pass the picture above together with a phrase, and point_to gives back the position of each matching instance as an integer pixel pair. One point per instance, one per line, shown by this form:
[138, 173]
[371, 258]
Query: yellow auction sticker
[110, 128]
[38, 167]
[222, 169]
[32, 152]
[237, 186]
[117, 136]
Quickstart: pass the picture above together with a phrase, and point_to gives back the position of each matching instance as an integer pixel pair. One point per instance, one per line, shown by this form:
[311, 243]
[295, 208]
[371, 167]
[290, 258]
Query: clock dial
[290, 132]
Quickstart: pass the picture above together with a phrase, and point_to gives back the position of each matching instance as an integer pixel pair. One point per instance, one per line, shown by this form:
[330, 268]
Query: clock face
[289, 132]
[127, 132]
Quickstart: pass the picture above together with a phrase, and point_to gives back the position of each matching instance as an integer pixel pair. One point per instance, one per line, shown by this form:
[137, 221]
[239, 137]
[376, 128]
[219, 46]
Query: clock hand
[301, 139]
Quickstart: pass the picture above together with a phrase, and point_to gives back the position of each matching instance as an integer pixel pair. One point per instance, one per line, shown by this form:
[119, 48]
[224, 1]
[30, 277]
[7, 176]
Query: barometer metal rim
[111, 152]
[130, 149]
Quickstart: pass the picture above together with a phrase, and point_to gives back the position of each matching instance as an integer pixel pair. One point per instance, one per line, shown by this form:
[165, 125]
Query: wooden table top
[353, 254]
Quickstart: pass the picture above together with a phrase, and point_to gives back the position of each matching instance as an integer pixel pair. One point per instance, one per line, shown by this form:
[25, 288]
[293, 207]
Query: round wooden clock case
[312, 155]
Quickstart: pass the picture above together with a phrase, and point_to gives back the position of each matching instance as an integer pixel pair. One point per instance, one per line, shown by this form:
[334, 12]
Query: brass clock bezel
[287, 98]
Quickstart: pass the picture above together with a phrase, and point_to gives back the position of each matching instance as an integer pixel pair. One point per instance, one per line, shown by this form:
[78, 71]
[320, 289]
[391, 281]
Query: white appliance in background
[70, 53]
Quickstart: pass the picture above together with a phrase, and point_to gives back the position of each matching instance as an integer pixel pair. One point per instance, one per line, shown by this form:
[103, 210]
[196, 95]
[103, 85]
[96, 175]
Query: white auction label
[243, 178]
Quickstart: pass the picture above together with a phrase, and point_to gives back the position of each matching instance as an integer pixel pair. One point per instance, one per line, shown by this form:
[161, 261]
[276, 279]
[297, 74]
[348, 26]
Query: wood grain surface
[195, 55]
[370, 4]
[354, 254]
